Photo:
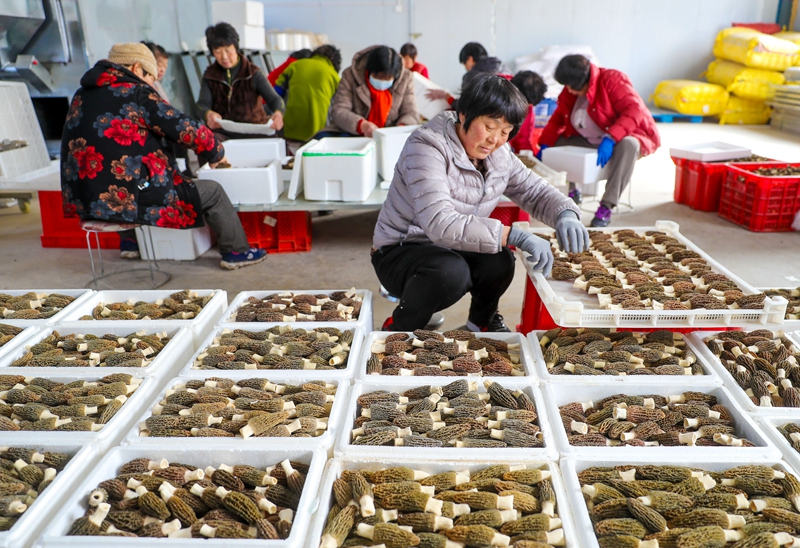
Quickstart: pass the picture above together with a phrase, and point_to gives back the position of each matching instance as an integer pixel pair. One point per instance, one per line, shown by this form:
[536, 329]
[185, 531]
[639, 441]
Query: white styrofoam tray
[525, 357]
[19, 340]
[656, 380]
[346, 448]
[325, 441]
[788, 325]
[260, 457]
[106, 437]
[252, 152]
[81, 295]
[335, 466]
[31, 524]
[571, 466]
[714, 151]
[571, 307]
[390, 142]
[558, 394]
[580, 163]
[364, 317]
[340, 169]
[728, 381]
[348, 372]
[200, 326]
[169, 360]
[262, 184]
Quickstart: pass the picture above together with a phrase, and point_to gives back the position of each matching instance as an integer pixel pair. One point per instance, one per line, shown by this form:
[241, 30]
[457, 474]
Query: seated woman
[434, 240]
[233, 87]
[375, 91]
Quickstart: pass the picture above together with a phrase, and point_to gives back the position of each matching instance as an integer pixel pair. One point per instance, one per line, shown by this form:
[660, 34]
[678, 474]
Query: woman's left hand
[572, 236]
[277, 120]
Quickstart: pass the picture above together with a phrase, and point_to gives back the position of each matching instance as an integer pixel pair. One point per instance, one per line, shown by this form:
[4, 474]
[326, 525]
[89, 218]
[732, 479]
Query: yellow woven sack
[745, 111]
[756, 50]
[788, 35]
[690, 97]
[747, 83]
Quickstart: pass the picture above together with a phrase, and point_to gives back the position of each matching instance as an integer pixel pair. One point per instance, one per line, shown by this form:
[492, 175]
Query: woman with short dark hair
[533, 89]
[233, 87]
[375, 91]
[434, 240]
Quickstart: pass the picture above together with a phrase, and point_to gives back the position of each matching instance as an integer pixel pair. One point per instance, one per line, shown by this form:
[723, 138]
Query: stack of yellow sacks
[741, 79]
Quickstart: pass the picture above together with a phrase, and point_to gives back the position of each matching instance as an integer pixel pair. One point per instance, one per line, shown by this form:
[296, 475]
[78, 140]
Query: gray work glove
[541, 254]
[572, 236]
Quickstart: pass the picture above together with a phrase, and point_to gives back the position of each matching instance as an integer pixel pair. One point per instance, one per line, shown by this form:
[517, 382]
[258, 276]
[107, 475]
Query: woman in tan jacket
[375, 91]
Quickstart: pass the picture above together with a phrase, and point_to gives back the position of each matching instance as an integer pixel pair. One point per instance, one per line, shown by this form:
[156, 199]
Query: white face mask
[380, 85]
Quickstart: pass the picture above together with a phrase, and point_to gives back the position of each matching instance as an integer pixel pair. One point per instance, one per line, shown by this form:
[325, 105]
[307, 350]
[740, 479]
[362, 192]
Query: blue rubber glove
[539, 154]
[280, 91]
[539, 249]
[572, 236]
[605, 151]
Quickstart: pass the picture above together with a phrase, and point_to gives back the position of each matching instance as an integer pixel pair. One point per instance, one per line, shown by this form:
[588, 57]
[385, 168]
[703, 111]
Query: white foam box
[558, 394]
[580, 163]
[345, 447]
[80, 295]
[252, 36]
[31, 524]
[348, 372]
[19, 340]
[427, 108]
[238, 13]
[571, 466]
[336, 466]
[200, 326]
[715, 151]
[537, 352]
[325, 441]
[173, 244]
[105, 438]
[340, 169]
[698, 341]
[254, 152]
[168, 362]
[249, 185]
[526, 359]
[365, 319]
[261, 457]
[390, 142]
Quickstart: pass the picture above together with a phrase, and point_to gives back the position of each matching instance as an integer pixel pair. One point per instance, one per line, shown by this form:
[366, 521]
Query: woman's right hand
[368, 128]
[212, 119]
[434, 94]
[540, 253]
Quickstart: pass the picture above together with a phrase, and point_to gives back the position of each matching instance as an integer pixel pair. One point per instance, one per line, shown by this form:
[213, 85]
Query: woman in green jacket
[308, 85]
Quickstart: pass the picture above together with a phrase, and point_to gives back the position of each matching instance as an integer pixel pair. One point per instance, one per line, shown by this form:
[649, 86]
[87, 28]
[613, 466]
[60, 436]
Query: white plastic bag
[545, 61]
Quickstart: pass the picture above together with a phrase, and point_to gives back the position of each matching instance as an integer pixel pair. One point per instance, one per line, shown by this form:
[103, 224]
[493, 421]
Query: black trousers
[429, 278]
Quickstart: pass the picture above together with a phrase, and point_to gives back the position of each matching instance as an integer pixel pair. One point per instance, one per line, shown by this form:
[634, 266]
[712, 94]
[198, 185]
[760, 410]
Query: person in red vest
[599, 108]
[409, 53]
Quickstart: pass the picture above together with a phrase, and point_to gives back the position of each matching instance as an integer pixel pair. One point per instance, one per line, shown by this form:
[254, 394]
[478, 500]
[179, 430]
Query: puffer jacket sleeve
[342, 113]
[408, 115]
[535, 195]
[424, 170]
[630, 108]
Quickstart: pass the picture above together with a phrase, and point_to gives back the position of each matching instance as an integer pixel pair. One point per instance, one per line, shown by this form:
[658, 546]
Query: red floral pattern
[156, 162]
[179, 215]
[118, 199]
[90, 162]
[125, 132]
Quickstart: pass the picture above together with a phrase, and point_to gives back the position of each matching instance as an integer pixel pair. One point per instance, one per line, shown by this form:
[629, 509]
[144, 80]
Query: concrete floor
[340, 252]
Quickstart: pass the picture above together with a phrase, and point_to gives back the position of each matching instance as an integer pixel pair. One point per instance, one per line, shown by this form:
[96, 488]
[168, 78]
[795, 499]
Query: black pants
[429, 278]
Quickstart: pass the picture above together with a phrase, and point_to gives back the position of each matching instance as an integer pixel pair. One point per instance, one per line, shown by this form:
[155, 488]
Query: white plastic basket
[571, 307]
[353, 358]
[710, 375]
[556, 178]
[571, 466]
[169, 361]
[729, 382]
[260, 457]
[364, 320]
[770, 424]
[19, 340]
[324, 441]
[334, 469]
[31, 524]
[525, 358]
[788, 325]
[558, 394]
[400, 384]
[200, 326]
[109, 436]
[81, 295]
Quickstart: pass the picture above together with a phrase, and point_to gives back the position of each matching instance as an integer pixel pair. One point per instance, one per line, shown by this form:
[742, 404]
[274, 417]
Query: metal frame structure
[151, 260]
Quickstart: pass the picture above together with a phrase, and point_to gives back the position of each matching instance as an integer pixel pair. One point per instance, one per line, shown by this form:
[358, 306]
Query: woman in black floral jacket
[117, 164]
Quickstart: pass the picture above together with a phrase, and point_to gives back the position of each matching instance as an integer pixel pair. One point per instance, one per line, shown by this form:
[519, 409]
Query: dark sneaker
[496, 325]
[129, 248]
[387, 325]
[576, 196]
[602, 217]
[233, 260]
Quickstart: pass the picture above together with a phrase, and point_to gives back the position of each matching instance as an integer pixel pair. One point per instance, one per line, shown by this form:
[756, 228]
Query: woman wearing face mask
[434, 240]
[375, 91]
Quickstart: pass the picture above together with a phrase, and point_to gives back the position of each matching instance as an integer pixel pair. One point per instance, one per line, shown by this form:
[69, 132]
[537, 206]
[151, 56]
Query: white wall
[648, 40]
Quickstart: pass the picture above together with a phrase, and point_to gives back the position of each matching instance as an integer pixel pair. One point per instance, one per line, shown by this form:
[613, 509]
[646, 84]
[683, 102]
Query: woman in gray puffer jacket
[434, 240]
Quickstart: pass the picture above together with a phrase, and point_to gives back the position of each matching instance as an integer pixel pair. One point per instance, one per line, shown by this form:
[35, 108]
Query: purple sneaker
[576, 196]
[602, 217]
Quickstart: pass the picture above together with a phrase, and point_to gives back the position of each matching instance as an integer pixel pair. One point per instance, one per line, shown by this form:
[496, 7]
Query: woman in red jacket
[599, 108]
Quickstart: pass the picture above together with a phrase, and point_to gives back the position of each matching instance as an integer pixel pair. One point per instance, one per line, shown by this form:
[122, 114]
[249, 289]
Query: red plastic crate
[702, 184]
[681, 191]
[757, 202]
[61, 231]
[284, 231]
[508, 213]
